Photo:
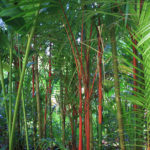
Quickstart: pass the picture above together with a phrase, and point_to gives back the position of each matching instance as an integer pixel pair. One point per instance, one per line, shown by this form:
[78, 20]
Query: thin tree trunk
[18, 128]
[25, 121]
[10, 91]
[80, 113]
[87, 94]
[80, 91]
[23, 102]
[38, 96]
[99, 132]
[117, 87]
[87, 121]
[100, 96]
[45, 114]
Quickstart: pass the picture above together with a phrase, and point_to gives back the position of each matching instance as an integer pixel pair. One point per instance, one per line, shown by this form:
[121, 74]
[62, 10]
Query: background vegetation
[74, 74]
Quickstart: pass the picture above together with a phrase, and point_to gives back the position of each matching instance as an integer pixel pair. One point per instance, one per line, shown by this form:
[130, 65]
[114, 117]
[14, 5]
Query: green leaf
[10, 12]
[126, 14]
[6, 67]
[3, 40]
[144, 39]
[16, 23]
[136, 100]
[12, 16]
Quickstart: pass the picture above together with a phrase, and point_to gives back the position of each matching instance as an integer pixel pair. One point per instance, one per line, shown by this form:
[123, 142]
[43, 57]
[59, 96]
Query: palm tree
[80, 32]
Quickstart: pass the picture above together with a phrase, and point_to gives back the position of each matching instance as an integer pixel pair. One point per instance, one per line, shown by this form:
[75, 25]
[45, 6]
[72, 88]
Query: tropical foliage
[74, 74]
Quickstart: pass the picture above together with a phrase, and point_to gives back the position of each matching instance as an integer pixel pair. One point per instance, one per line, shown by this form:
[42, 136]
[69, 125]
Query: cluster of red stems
[85, 76]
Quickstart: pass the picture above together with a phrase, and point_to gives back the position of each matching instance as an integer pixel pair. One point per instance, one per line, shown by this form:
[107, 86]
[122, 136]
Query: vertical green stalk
[3, 87]
[10, 91]
[117, 87]
[21, 80]
[23, 107]
[25, 121]
[38, 97]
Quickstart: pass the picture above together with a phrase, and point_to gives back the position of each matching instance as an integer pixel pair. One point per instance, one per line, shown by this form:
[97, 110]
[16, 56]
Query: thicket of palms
[74, 74]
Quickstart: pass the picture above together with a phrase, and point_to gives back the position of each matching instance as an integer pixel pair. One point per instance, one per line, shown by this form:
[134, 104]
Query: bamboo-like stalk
[38, 97]
[80, 91]
[88, 93]
[23, 105]
[21, 80]
[81, 75]
[100, 76]
[10, 91]
[76, 48]
[117, 87]
[100, 94]
[25, 121]
[80, 112]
